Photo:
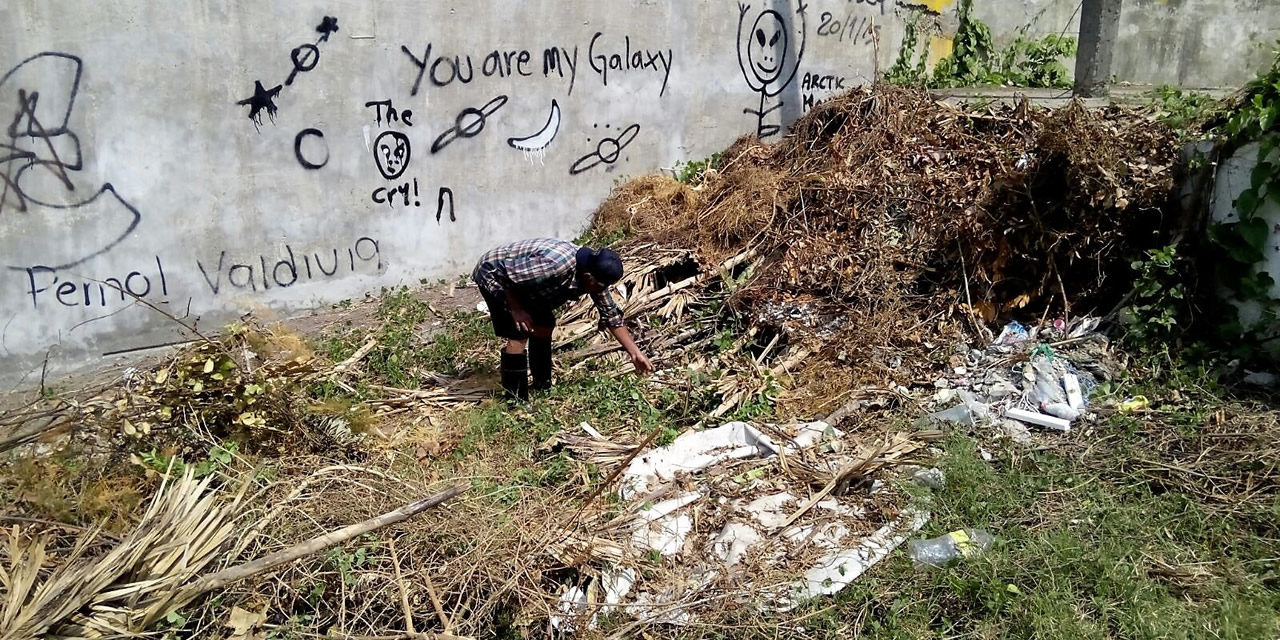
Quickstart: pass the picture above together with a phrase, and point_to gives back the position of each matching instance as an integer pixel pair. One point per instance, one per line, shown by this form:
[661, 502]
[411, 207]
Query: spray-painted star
[262, 99]
[327, 26]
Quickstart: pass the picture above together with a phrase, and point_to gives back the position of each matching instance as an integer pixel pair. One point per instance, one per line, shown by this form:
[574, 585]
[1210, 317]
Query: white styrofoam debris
[664, 535]
[772, 510]
[734, 541]
[692, 452]
[839, 568]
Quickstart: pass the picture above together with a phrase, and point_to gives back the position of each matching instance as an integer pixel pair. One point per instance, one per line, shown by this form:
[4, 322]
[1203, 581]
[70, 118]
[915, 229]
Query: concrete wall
[1187, 43]
[219, 156]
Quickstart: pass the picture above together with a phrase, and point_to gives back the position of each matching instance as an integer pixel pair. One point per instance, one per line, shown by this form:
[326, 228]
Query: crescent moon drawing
[542, 139]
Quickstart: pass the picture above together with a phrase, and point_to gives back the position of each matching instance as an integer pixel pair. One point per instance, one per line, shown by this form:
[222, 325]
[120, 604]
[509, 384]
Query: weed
[975, 60]
[692, 172]
[1183, 111]
[406, 347]
[1160, 299]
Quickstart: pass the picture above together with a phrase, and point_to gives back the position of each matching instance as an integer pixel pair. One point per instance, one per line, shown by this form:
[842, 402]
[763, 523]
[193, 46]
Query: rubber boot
[540, 363]
[515, 375]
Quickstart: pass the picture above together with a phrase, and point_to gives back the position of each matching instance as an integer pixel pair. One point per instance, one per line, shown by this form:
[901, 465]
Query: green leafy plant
[1243, 242]
[976, 61]
[693, 172]
[1159, 298]
[1183, 111]
[905, 71]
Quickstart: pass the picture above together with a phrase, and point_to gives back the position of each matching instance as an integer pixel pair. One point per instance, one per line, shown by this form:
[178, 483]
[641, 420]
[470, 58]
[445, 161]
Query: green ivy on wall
[1243, 242]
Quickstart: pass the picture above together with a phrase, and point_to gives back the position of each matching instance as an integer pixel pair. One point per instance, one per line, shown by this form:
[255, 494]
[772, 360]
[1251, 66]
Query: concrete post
[1099, 26]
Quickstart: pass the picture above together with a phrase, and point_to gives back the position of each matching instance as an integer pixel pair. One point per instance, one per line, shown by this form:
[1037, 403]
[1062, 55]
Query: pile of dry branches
[896, 215]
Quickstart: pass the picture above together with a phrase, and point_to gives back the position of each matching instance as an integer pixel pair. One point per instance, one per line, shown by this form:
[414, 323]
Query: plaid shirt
[541, 273]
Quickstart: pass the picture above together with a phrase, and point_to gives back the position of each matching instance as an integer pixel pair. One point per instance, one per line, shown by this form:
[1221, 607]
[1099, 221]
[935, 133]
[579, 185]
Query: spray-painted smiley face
[767, 46]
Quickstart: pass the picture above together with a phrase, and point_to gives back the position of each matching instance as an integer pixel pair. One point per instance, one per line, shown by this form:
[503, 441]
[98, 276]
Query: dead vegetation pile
[891, 215]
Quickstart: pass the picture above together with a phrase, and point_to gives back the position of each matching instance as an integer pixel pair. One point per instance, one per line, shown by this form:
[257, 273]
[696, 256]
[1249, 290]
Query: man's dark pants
[517, 367]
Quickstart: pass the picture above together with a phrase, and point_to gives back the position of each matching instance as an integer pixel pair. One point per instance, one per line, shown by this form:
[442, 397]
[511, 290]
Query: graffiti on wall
[80, 291]
[315, 139]
[606, 57]
[305, 57]
[41, 161]
[283, 271]
[854, 29]
[814, 85]
[607, 151]
[393, 153]
[765, 58]
[469, 123]
[534, 146]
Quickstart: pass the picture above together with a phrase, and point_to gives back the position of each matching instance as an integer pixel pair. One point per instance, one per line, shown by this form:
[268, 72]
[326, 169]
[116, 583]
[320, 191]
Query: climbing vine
[976, 61]
[1243, 241]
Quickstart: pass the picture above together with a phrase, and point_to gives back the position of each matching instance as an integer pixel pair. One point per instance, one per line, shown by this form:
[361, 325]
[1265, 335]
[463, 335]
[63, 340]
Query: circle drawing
[302, 158]
[305, 58]
[391, 153]
[767, 46]
[607, 151]
[469, 123]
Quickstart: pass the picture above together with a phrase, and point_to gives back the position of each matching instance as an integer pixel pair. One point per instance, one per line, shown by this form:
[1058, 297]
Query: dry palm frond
[129, 587]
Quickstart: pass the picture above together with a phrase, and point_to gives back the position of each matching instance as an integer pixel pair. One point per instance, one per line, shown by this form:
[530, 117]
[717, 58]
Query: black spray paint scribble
[327, 27]
[305, 57]
[40, 156]
[607, 150]
[763, 52]
[263, 99]
[469, 123]
[445, 201]
[536, 145]
[391, 153]
[303, 159]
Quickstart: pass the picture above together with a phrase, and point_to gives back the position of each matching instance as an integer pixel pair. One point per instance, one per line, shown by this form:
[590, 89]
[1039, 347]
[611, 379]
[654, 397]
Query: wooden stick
[357, 356]
[320, 543]
[435, 602]
[404, 589]
[844, 474]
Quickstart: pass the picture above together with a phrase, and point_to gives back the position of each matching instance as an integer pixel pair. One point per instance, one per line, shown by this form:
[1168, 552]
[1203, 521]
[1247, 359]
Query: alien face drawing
[766, 57]
[767, 47]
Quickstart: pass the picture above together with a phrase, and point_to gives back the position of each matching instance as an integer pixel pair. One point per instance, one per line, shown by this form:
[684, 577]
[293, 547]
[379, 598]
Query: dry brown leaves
[914, 219]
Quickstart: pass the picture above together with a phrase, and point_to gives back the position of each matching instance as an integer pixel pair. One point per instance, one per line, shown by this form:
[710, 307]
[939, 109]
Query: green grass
[406, 345]
[1080, 553]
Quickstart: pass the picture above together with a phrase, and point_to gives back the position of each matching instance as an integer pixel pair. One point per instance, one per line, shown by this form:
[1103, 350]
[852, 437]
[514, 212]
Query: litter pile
[1039, 377]
[888, 221]
[765, 516]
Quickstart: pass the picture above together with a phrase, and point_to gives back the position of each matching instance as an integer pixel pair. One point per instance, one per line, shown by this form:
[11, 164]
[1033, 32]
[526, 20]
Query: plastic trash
[967, 413]
[1136, 403]
[931, 478]
[1039, 419]
[1012, 334]
[944, 550]
[1045, 381]
[1060, 410]
[1075, 396]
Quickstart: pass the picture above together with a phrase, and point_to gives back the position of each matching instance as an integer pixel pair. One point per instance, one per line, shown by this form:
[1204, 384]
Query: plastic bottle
[943, 550]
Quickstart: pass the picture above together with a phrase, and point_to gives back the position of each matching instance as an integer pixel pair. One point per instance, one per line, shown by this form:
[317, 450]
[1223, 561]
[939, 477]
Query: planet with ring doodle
[469, 123]
[607, 150]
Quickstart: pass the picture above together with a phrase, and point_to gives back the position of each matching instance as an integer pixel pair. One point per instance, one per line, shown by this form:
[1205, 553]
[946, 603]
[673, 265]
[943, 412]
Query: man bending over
[525, 282]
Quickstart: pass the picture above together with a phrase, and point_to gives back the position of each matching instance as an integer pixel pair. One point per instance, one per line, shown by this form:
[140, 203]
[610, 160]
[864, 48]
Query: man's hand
[523, 320]
[641, 363]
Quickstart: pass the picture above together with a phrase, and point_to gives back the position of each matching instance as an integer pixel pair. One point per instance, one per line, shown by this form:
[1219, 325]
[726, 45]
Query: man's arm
[611, 317]
[638, 359]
